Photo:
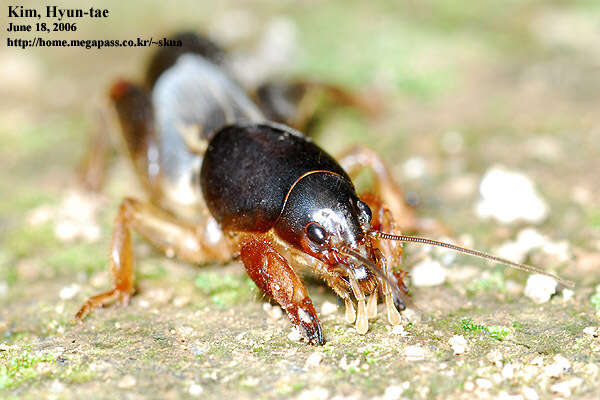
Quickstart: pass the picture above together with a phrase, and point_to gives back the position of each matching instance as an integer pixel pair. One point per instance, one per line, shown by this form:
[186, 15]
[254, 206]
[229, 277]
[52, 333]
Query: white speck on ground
[506, 396]
[411, 315]
[318, 393]
[399, 330]
[484, 384]
[195, 389]
[540, 288]
[181, 301]
[328, 308]
[68, 292]
[414, 353]
[57, 386]
[313, 360]
[529, 240]
[294, 335]
[393, 392]
[76, 217]
[345, 365]
[592, 330]
[414, 168]
[529, 393]
[274, 312]
[127, 382]
[509, 197]
[567, 294]
[428, 273]
[508, 371]
[495, 357]
[558, 367]
[564, 388]
[458, 344]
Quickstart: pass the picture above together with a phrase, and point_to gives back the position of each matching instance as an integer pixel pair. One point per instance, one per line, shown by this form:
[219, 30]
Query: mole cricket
[225, 181]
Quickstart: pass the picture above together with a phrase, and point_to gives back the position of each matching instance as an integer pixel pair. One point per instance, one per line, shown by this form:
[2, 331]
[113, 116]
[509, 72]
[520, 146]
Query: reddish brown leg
[271, 273]
[92, 171]
[390, 253]
[196, 244]
[300, 103]
[361, 157]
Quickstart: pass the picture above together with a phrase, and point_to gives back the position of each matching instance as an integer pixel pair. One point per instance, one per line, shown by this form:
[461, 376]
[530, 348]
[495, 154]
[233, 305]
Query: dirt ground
[463, 88]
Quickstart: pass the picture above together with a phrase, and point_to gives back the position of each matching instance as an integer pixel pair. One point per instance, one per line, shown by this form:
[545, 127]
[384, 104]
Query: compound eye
[365, 212]
[316, 233]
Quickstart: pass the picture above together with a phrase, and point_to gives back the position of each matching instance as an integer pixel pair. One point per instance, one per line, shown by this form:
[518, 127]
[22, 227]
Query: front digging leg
[273, 275]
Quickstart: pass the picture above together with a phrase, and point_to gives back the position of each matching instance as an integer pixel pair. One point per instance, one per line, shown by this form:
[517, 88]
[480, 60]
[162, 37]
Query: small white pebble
[484, 384]
[458, 343]
[160, 296]
[506, 396]
[68, 292]
[345, 365]
[57, 386]
[274, 312]
[495, 357]
[510, 196]
[567, 294]
[328, 308]
[393, 392]
[294, 335]
[195, 389]
[591, 330]
[318, 393]
[564, 388]
[414, 168]
[540, 287]
[144, 303]
[127, 382]
[411, 315]
[313, 360]
[591, 369]
[428, 273]
[558, 367]
[66, 231]
[414, 353]
[181, 301]
[529, 393]
[469, 386]
[508, 371]
[40, 215]
[399, 330]
[185, 331]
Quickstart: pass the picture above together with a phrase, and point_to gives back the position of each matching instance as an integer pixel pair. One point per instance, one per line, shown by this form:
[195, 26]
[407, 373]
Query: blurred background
[488, 117]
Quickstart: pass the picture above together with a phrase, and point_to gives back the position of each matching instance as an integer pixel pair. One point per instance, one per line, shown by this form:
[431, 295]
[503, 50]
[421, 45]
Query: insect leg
[272, 273]
[92, 170]
[302, 103]
[390, 252]
[360, 157]
[196, 244]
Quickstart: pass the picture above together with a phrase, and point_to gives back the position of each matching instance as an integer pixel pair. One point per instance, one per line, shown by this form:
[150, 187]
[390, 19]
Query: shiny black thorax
[256, 177]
